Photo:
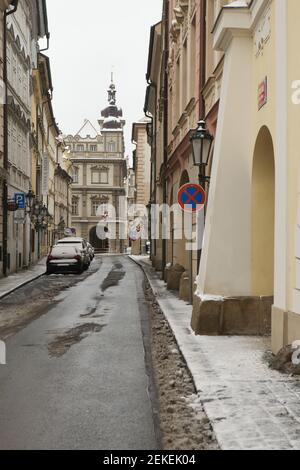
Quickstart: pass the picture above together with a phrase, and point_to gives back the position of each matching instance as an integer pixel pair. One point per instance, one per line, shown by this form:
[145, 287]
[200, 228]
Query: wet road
[76, 377]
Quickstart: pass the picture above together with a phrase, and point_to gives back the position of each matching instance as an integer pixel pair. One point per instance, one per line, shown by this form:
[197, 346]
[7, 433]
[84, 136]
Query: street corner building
[249, 272]
[99, 179]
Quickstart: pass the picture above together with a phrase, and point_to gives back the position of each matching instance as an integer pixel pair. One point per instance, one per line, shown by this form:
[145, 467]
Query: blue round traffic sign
[191, 197]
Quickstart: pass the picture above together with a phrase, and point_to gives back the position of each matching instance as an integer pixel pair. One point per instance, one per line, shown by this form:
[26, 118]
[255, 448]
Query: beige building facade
[174, 101]
[142, 170]
[99, 176]
[154, 107]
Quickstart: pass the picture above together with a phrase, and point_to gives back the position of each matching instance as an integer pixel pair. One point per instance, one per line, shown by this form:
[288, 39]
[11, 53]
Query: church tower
[112, 115]
[100, 169]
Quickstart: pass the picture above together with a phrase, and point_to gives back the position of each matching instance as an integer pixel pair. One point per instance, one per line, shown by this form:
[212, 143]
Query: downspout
[48, 43]
[151, 190]
[165, 124]
[202, 58]
[153, 171]
[5, 139]
[202, 80]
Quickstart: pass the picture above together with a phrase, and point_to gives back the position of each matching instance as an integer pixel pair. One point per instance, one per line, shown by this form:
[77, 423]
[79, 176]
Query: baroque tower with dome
[100, 170]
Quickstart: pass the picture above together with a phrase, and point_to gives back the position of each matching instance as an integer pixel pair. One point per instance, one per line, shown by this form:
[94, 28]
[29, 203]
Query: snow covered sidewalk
[15, 281]
[249, 405]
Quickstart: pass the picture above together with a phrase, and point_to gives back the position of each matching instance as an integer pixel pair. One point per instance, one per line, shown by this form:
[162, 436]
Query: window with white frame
[93, 148]
[80, 148]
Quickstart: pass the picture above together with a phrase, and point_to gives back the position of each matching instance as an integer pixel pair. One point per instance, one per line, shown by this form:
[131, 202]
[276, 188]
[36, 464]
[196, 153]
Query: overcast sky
[90, 38]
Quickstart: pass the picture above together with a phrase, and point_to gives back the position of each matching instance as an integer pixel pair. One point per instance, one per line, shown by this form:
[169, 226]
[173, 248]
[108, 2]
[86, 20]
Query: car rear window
[70, 243]
[57, 250]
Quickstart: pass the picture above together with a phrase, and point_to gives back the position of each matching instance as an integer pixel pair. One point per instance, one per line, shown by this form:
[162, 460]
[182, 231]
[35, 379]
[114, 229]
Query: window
[99, 176]
[95, 205]
[177, 96]
[93, 148]
[76, 176]
[193, 71]
[99, 208]
[111, 147]
[75, 206]
[80, 148]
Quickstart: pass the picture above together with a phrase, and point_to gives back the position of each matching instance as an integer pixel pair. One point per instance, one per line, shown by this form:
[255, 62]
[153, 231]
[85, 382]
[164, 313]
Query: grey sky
[90, 37]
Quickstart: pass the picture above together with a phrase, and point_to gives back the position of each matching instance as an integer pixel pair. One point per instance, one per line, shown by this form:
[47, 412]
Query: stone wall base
[157, 263]
[173, 277]
[285, 328]
[232, 316]
[184, 287]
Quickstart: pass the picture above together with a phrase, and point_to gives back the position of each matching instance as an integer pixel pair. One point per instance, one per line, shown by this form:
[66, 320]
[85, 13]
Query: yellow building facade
[250, 259]
[50, 180]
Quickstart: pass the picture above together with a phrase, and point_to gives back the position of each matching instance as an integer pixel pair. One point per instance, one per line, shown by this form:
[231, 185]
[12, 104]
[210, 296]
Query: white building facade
[24, 28]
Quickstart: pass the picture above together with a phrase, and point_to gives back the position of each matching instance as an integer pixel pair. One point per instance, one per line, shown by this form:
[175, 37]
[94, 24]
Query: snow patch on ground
[249, 405]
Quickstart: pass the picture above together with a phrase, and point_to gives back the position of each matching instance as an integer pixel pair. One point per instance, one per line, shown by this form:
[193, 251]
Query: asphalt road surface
[76, 377]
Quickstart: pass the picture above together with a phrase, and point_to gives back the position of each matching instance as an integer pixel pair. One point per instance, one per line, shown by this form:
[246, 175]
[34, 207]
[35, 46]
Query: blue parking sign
[20, 200]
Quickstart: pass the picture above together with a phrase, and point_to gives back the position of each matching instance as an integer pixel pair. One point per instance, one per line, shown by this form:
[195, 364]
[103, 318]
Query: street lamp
[202, 142]
[38, 212]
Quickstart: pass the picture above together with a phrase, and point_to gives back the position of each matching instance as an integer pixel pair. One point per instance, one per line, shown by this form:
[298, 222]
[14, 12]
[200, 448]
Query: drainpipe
[5, 138]
[202, 80]
[202, 58]
[153, 171]
[48, 43]
[165, 123]
[151, 187]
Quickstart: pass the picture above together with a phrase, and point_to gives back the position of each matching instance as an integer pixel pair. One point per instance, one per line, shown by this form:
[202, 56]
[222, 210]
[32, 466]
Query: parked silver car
[91, 251]
[65, 258]
[81, 244]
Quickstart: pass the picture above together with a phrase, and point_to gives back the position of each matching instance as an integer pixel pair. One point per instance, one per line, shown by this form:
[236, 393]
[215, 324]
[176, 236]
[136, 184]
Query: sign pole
[17, 247]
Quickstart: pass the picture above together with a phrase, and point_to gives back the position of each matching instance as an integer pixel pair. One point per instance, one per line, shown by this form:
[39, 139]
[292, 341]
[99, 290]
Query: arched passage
[100, 246]
[263, 215]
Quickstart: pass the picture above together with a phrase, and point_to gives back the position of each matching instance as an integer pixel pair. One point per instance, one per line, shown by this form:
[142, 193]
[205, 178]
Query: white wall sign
[263, 32]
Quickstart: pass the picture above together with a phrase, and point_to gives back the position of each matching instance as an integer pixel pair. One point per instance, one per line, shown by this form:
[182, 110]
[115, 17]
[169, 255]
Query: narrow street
[76, 376]
[149, 229]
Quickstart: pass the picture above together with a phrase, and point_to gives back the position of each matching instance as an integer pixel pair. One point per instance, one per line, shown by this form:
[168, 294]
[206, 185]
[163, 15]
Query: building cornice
[102, 160]
[237, 21]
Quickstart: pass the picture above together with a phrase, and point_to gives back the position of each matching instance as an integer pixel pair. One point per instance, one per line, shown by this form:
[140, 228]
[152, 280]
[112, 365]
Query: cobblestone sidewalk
[249, 405]
[14, 281]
